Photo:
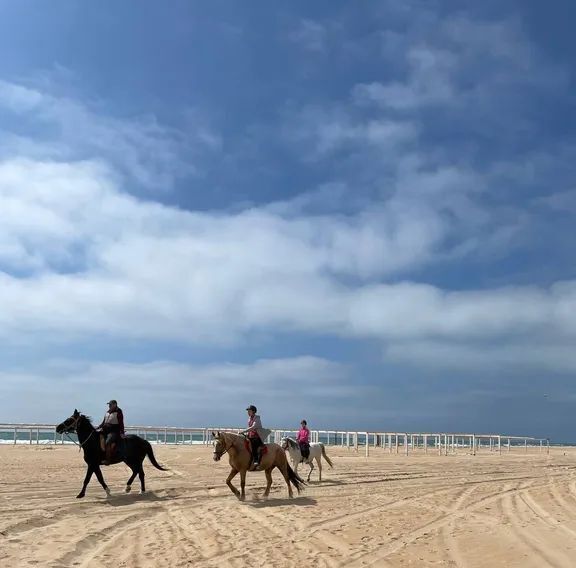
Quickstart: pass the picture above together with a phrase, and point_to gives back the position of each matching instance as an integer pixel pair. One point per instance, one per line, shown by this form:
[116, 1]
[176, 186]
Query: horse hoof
[142, 491]
[108, 492]
[128, 489]
[80, 496]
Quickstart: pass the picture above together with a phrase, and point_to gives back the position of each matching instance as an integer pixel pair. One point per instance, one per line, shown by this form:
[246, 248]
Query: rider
[303, 439]
[255, 433]
[112, 427]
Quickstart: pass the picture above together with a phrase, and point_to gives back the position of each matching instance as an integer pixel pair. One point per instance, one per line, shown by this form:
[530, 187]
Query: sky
[362, 215]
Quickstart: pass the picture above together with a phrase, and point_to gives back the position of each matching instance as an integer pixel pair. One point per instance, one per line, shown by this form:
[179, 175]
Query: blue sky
[364, 217]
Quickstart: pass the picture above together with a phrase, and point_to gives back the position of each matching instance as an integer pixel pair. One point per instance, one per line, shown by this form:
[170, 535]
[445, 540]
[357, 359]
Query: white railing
[442, 443]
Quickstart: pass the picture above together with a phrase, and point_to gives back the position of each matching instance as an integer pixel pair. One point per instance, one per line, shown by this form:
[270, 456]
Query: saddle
[119, 452]
[263, 450]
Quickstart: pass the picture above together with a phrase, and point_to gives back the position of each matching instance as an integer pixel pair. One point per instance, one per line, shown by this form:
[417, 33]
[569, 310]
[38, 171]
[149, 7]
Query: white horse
[317, 451]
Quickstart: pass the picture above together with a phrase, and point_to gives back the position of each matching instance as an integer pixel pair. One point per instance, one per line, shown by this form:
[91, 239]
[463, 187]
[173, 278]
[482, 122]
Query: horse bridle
[74, 429]
[219, 456]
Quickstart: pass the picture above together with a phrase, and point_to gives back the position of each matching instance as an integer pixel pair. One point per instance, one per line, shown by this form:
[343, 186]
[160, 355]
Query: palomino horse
[240, 459]
[135, 450]
[317, 452]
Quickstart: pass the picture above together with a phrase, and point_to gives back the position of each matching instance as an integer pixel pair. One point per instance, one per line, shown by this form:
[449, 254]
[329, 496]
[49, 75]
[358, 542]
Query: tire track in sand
[528, 537]
[453, 548]
[376, 557]
[89, 546]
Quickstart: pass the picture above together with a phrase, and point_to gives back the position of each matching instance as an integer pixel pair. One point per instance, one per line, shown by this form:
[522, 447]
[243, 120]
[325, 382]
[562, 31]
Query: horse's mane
[87, 418]
[232, 434]
[293, 443]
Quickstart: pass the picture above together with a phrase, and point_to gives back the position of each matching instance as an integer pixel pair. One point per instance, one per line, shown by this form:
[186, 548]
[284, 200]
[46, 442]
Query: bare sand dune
[513, 510]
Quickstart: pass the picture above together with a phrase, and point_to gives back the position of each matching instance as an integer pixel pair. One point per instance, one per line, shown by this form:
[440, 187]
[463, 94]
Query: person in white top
[113, 428]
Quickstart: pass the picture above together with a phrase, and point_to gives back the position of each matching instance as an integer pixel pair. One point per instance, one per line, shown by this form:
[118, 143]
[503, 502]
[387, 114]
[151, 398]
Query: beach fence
[440, 443]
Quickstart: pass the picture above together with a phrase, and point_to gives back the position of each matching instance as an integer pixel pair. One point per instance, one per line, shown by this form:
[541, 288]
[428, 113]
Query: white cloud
[430, 82]
[20, 99]
[470, 69]
[102, 262]
[419, 311]
[561, 201]
[325, 131]
[81, 258]
[170, 393]
[528, 357]
[150, 154]
[311, 36]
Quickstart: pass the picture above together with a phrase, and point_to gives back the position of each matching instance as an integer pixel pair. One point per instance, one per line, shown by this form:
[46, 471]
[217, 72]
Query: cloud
[561, 201]
[170, 393]
[461, 62]
[310, 36]
[429, 83]
[325, 131]
[151, 155]
[82, 258]
[525, 357]
[103, 262]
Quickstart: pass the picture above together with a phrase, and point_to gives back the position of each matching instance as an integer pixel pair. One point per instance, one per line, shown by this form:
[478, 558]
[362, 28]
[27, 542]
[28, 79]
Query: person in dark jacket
[112, 427]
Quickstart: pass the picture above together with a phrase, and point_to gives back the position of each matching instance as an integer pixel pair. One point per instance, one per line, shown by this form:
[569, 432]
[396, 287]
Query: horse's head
[220, 445]
[288, 443]
[70, 424]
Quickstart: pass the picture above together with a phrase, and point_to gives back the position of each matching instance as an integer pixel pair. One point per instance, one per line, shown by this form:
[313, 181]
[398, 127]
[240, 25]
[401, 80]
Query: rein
[80, 446]
[226, 449]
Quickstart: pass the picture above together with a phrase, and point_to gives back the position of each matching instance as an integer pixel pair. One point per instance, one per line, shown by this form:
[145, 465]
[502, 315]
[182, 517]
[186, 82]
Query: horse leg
[311, 464]
[100, 477]
[294, 462]
[319, 462]
[87, 478]
[132, 477]
[142, 483]
[243, 485]
[268, 473]
[284, 469]
[232, 475]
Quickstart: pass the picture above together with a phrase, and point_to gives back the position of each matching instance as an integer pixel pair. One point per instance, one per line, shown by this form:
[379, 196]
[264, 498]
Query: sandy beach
[386, 510]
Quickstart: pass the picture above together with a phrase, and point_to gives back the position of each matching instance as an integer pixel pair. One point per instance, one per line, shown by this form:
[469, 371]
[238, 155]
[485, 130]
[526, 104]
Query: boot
[109, 453]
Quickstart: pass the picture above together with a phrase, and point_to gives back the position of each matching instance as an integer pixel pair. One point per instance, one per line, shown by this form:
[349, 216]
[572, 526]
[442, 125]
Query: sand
[385, 510]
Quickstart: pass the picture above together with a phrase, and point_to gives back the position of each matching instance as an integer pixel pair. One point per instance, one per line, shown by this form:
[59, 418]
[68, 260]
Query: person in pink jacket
[303, 439]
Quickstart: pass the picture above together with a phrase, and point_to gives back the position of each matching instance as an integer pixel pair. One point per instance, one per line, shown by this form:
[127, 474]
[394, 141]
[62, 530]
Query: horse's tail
[295, 479]
[152, 458]
[325, 456]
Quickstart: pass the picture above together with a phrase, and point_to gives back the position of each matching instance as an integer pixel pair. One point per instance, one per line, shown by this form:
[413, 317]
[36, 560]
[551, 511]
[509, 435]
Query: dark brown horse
[132, 454]
[240, 459]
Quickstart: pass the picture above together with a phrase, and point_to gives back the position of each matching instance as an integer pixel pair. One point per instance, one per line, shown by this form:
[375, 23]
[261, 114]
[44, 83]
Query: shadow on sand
[124, 499]
[298, 501]
[327, 483]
